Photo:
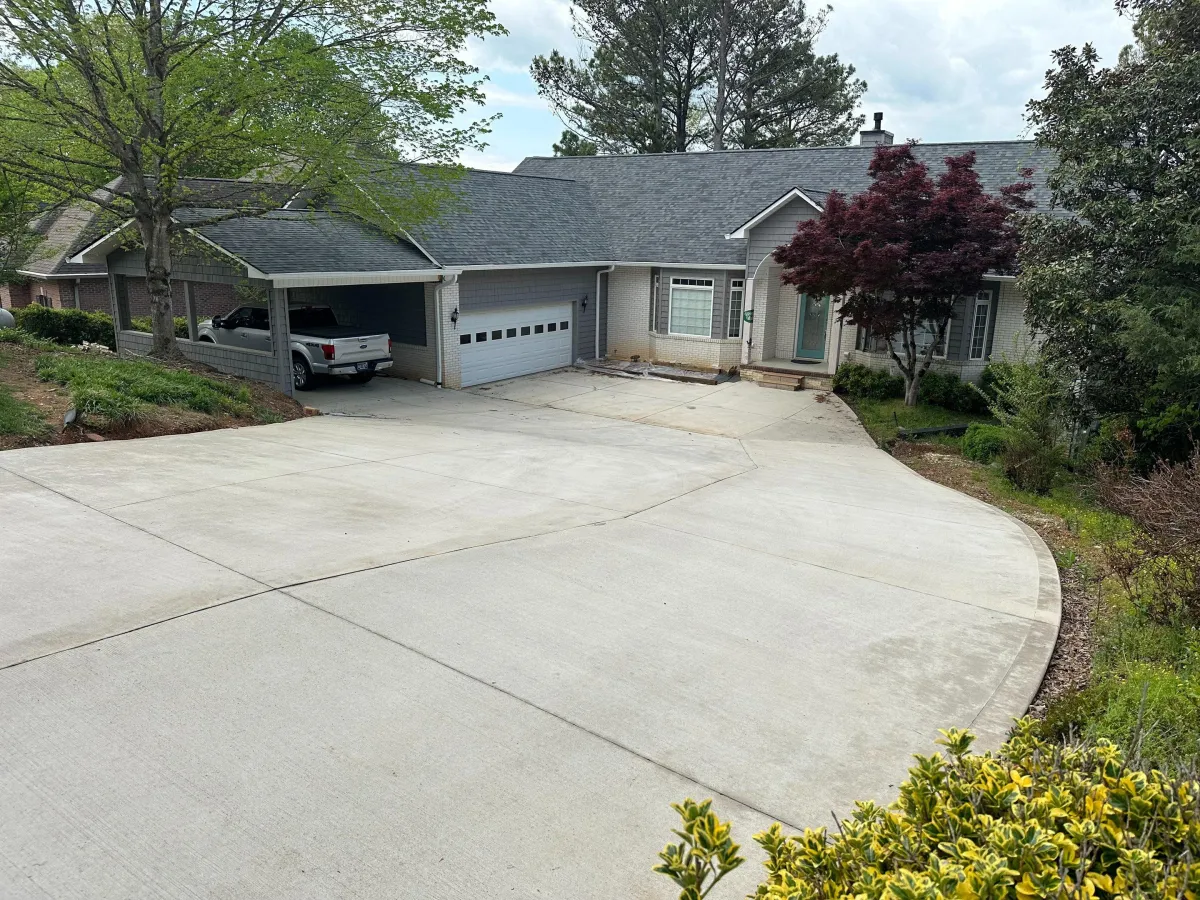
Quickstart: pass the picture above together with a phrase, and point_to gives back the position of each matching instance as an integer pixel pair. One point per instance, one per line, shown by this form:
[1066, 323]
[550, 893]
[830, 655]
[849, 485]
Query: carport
[285, 259]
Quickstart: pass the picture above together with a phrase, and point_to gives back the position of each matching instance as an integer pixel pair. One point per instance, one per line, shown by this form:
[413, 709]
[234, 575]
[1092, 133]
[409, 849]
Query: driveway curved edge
[1017, 689]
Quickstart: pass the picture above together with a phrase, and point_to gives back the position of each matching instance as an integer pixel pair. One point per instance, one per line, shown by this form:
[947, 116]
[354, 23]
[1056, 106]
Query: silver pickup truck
[320, 346]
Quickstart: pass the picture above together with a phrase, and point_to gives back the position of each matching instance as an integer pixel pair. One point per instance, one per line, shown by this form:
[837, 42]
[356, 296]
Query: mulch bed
[18, 373]
[1071, 663]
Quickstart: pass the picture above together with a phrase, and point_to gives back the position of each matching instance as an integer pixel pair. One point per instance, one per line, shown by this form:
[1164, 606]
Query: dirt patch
[1071, 663]
[19, 375]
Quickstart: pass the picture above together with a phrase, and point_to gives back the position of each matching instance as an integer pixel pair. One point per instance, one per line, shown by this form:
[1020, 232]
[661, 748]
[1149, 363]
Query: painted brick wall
[758, 329]
[451, 349]
[700, 352]
[629, 313]
[478, 291]
[14, 295]
[412, 360]
[1012, 337]
[93, 295]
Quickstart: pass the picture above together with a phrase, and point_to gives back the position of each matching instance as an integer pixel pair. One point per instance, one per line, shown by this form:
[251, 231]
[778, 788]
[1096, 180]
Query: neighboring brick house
[50, 278]
[664, 257]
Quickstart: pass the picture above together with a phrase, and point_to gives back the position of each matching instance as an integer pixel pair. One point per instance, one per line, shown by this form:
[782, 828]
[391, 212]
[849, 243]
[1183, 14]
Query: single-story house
[663, 257]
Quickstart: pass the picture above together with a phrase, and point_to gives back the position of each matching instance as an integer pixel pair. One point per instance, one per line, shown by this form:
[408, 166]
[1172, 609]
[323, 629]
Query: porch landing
[791, 374]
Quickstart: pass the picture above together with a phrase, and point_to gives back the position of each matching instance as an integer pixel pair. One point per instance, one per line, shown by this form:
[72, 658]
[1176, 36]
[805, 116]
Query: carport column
[451, 354]
[281, 337]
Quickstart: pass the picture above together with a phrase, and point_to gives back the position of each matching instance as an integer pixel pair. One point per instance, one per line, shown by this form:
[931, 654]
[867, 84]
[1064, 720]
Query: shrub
[950, 392]
[123, 391]
[67, 326]
[146, 324]
[862, 381]
[1031, 820]
[983, 443]
[1031, 402]
[1159, 563]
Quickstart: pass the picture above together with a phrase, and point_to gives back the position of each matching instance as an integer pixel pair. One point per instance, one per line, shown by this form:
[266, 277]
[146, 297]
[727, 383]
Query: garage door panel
[514, 341]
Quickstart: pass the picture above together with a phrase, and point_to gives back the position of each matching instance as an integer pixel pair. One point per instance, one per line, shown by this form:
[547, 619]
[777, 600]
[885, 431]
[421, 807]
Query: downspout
[750, 283]
[439, 360]
[600, 272]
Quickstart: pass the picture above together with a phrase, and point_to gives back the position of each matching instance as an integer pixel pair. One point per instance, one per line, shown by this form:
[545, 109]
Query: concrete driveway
[461, 645]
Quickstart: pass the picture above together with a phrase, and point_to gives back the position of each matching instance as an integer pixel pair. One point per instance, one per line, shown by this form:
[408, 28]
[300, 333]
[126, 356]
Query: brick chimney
[876, 135]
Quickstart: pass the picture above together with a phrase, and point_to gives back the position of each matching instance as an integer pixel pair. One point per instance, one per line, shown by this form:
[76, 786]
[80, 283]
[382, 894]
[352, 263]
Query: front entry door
[811, 327]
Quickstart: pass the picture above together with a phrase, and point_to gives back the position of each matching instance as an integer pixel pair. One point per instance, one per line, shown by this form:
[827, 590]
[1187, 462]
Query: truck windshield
[311, 317]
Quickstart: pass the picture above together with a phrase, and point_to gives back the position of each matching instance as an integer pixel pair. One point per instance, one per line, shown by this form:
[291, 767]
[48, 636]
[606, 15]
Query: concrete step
[787, 382]
[781, 386]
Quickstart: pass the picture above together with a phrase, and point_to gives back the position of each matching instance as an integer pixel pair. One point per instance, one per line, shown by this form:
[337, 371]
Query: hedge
[67, 326]
[869, 384]
[1032, 821]
[74, 326]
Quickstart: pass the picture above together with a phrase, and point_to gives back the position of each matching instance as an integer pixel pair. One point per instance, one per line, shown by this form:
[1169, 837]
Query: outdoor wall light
[454, 316]
[583, 303]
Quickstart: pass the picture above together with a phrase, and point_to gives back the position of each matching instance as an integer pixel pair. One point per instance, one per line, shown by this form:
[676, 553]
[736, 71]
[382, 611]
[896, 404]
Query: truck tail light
[389, 346]
[328, 349]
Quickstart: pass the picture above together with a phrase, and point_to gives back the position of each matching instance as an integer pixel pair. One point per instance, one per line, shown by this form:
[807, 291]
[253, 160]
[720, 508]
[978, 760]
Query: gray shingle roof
[678, 207]
[505, 220]
[65, 231]
[293, 241]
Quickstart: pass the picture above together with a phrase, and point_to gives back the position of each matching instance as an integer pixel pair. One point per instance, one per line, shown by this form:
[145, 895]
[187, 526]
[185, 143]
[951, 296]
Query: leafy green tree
[1115, 287]
[571, 144]
[20, 205]
[327, 97]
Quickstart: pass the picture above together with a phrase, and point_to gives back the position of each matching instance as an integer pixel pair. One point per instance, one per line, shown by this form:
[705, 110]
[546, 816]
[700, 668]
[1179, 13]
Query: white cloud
[534, 27]
[963, 69]
[501, 96]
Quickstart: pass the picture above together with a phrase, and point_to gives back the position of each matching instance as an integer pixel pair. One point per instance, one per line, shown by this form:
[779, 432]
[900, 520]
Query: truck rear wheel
[302, 374]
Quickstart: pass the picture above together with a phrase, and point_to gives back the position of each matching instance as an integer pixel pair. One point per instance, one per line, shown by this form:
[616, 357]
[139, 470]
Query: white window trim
[986, 298]
[736, 284]
[693, 283]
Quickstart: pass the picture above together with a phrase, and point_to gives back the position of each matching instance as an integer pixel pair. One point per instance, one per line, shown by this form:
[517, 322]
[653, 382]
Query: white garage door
[517, 340]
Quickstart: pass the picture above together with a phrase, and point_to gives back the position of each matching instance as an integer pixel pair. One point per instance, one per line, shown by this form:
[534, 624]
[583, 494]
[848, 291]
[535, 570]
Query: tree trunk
[721, 100]
[156, 239]
[912, 385]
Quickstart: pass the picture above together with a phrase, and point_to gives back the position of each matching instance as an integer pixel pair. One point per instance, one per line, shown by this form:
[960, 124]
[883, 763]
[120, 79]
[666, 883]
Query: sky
[938, 70]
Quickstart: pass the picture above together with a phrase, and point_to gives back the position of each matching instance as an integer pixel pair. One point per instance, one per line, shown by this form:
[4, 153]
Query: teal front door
[811, 327]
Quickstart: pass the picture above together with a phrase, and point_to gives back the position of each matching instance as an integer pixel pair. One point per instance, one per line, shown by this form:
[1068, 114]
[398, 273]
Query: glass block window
[691, 306]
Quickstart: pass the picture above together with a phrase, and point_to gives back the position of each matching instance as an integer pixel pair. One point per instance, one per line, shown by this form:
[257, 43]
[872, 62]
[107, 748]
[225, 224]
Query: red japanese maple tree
[904, 250]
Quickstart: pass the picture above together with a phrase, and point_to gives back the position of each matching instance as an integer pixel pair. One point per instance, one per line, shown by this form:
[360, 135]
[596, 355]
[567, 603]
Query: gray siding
[956, 346]
[478, 291]
[183, 268]
[774, 230]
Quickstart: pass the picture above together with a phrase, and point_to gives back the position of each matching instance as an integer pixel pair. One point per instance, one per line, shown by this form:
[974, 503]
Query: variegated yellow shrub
[1033, 820]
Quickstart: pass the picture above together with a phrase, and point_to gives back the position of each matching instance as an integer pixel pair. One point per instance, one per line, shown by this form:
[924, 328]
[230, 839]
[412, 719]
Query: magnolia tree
[903, 252]
[121, 102]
